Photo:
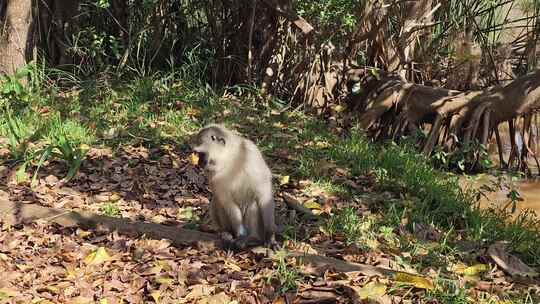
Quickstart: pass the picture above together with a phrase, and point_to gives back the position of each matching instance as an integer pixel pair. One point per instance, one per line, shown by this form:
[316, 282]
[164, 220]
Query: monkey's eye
[213, 138]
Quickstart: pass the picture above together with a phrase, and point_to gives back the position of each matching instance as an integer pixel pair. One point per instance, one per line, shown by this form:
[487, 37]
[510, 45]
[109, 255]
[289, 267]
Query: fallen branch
[18, 213]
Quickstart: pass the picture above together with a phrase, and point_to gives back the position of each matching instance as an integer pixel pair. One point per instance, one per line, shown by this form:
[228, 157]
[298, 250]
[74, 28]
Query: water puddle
[529, 191]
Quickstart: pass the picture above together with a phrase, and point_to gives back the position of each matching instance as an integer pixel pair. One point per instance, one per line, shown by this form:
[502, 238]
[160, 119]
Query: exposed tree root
[456, 120]
[18, 213]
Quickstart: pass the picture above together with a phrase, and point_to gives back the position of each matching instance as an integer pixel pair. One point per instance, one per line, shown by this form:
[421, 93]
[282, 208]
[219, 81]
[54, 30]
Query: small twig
[293, 203]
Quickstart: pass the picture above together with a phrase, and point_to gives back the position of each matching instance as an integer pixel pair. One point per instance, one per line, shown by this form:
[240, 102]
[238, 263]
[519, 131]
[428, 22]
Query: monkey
[242, 205]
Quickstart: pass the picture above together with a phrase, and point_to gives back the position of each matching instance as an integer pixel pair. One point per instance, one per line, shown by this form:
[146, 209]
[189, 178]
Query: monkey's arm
[228, 215]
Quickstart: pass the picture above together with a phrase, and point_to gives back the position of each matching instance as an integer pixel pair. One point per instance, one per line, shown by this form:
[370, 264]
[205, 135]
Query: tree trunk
[16, 43]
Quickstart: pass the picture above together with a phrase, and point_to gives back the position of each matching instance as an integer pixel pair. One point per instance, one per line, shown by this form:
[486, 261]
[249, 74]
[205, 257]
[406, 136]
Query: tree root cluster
[448, 119]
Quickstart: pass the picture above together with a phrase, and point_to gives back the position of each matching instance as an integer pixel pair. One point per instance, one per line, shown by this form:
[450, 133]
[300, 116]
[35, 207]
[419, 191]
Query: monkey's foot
[273, 245]
[242, 243]
[227, 241]
[226, 236]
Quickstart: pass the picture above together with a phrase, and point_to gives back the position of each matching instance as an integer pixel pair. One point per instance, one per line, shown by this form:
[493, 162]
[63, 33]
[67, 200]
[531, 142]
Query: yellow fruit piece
[194, 159]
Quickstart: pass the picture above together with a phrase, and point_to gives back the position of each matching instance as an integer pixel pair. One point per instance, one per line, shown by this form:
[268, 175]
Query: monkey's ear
[221, 140]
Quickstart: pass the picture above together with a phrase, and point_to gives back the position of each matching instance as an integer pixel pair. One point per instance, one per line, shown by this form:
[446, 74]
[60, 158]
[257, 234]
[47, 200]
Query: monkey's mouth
[203, 159]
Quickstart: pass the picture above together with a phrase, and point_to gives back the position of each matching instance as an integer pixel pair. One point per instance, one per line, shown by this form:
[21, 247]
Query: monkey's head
[211, 144]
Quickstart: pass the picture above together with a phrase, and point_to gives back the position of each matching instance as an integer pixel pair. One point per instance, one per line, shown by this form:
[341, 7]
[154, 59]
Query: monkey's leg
[266, 206]
[216, 214]
[254, 221]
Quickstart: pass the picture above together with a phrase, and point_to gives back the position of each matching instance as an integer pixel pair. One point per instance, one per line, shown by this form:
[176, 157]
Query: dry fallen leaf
[311, 204]
[220, 298]
[98, 256]
[81, 300]
[164, 280]
[232, 266]
[415, 280]
[371, 290]
[199, 291]
[473, 270]
[284, 180]
[6, 293]
[509, 263]
[155, 295]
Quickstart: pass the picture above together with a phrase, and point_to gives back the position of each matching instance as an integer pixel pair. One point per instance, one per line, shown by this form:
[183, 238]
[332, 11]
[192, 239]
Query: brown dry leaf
[199, 291]
[415, 280]
[82, 233]
[509, 263]
[102, 197]
[6, 293]
[315, 296]
[51, 180]
[80, 300]
[232, 266]
[220, 298]
[39, 300]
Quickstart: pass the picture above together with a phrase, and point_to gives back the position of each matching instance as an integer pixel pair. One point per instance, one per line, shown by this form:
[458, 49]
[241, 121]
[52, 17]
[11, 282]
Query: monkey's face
[209, 144]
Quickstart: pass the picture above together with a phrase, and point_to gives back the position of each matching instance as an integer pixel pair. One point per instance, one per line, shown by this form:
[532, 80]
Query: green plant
[287, 276]
[337, 16]
[13, 88]
[18, 135]
[70, 152]
[345, 222]
[110, 209]
[448, 292]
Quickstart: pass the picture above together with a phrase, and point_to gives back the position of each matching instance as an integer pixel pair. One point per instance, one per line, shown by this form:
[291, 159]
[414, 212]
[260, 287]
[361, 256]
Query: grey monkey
[243, 204]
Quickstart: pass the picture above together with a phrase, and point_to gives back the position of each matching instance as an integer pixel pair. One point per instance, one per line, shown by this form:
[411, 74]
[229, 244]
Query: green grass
[110, 209]
[287, 277]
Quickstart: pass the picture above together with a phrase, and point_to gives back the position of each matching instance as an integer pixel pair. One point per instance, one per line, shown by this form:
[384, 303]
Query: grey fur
[241, 184]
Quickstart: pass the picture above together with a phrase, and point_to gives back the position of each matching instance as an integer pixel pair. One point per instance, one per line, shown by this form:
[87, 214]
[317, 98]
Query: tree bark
[16, 43]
